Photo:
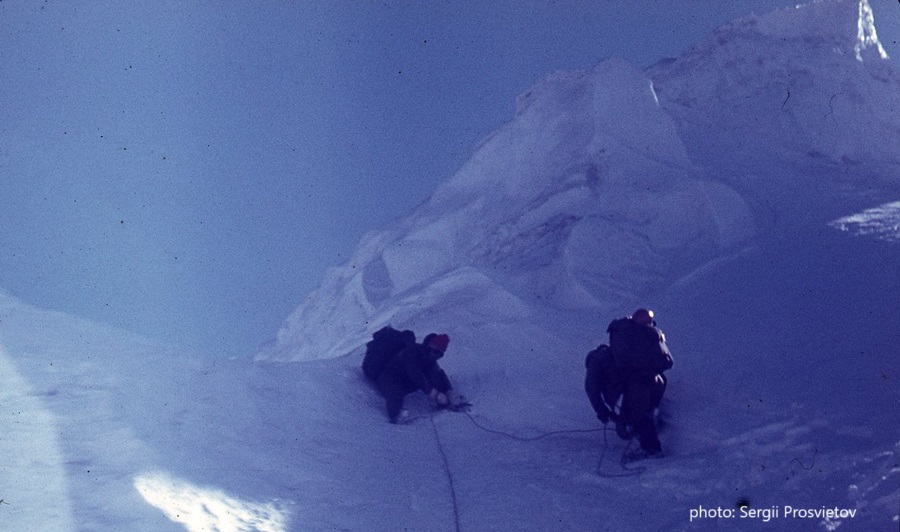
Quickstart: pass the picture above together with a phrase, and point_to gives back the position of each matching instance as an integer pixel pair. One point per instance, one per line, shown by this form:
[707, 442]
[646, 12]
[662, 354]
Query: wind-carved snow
[881, 222]
[845, 25]
[587, 197]
[781, 83]
[611, 182]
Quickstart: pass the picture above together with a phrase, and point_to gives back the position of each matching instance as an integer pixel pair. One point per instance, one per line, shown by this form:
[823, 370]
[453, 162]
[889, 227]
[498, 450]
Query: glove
[454, 398]
[438, 397]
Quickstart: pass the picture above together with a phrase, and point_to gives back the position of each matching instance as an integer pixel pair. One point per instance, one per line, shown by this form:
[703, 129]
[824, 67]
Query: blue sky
[190, 170]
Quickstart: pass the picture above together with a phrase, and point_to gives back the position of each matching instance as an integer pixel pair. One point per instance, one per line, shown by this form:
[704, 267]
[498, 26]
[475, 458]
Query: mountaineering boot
[401, 418]
[641, 454]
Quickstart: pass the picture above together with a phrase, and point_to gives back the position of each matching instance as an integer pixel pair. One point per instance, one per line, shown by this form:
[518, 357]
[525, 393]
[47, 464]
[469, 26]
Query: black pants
[394, 388]
[643, 394]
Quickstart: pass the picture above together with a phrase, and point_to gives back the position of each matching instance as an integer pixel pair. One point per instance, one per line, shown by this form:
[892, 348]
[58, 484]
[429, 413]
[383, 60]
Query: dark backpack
[384, 345]
[635, 346]
[603, 381]
[599, 358]
[622, 339]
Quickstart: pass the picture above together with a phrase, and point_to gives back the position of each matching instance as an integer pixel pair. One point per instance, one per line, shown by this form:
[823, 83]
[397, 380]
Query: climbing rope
[524, 438]
[440, 446]
[626, 470]
[446, 462]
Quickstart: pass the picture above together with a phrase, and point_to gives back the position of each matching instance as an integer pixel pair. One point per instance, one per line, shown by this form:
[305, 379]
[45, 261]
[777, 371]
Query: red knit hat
[439, 342]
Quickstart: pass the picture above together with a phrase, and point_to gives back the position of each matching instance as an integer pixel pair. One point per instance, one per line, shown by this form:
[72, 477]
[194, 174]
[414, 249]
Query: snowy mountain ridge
[611, 183]
[849, 26]
[746, 191]
[762, 90]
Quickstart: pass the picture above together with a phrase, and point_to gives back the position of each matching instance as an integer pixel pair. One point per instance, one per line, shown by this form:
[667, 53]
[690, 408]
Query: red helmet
[439, 342]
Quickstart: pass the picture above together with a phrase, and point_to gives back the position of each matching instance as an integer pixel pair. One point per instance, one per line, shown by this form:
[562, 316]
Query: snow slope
[697, 187]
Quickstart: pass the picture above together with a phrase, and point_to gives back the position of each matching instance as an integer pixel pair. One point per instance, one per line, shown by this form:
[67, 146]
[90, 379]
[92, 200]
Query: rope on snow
[627, 471]
[440, 446]
[524, 438]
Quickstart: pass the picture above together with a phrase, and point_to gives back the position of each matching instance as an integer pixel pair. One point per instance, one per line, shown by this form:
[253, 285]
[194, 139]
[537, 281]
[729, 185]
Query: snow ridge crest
[848, 24]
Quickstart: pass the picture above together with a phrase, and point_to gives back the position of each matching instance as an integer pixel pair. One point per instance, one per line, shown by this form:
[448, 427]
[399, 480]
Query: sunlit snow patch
[207, 509]
[880, 222]
[867, 37]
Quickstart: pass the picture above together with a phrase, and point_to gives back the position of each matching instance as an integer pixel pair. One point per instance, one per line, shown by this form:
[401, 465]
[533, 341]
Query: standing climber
[638, 358]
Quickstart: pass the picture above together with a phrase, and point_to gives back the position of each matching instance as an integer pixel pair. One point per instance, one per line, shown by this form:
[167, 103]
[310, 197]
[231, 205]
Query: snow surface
[732, 190]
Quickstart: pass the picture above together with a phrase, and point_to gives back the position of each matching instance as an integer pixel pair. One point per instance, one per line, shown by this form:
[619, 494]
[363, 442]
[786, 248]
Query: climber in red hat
[416, 368]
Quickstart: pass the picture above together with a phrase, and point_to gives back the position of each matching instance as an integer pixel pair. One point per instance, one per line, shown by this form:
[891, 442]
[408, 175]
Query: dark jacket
[638, 348]
[414, 368]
